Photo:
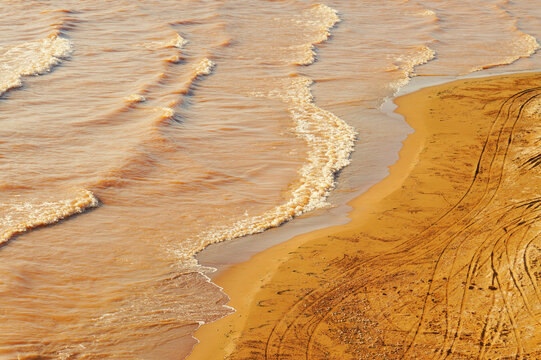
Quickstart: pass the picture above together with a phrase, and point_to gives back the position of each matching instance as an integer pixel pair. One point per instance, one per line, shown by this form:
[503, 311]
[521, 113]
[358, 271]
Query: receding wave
[18, 217]
[321, 19]
[521, 46]
[406, 65]
[31, 58]
[330, 141]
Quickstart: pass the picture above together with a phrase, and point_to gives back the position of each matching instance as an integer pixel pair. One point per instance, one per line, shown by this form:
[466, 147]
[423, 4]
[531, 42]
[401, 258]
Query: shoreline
[272, 254]
[241, 249]
[263, 266]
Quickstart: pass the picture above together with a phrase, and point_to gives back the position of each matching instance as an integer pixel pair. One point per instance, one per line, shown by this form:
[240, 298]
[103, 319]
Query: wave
[176, 41]
[407, 63]
[204, 67]
[31, 58]
[330, 141]
[321, 19]
[201, 68]
[27, 59]
[522, 46]
[135, 98]
[429, 13]
[18, 217]
[162, 114]
[158, 101]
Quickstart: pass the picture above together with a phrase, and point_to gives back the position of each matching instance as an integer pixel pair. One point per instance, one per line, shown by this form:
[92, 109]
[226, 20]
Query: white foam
[135, 98]
[179, 42]
[329, 139]
[31, 58]
[407, 63]
[428, 12]
[18, 217]
[203, 67]
[165, 112]
[319, 19]
[176, 41]
[523, 46]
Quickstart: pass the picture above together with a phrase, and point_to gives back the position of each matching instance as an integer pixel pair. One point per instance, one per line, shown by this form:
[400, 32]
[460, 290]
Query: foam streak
[31, 58]
[20, 217]
[330, 142]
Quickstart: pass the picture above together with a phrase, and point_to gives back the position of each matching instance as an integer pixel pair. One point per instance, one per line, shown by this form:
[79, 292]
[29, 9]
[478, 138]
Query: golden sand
[441, 259]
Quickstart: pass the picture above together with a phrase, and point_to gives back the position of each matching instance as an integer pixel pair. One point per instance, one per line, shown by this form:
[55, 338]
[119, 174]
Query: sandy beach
[440, 259]
[151, 148]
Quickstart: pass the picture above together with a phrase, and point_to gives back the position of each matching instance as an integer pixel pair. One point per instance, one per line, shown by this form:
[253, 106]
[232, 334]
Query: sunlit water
[146, 130]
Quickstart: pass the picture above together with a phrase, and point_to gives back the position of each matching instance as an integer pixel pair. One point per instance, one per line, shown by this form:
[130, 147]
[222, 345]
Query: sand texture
[442, 259]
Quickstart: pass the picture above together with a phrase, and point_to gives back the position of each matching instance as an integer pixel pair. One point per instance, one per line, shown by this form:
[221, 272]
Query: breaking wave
[330, 140]
[18, 217]
[31, 58]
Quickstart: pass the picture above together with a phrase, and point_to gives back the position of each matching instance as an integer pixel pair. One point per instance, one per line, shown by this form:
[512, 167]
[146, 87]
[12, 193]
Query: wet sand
[441, 259]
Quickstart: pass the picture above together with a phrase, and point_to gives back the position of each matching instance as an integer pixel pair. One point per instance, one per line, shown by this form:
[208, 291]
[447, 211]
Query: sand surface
[442, 259]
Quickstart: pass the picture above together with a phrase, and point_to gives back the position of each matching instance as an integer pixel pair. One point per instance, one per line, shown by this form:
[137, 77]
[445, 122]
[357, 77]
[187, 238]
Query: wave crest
[18, 217]
[329, 139]
[319, 19]
[407, 64]
[31, 58]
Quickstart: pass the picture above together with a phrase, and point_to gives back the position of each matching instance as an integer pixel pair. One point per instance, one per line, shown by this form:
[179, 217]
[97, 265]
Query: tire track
[295, 335]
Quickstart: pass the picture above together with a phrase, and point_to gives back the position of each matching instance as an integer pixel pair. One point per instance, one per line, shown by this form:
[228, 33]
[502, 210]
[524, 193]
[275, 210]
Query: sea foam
[329, 139]
[31, 58]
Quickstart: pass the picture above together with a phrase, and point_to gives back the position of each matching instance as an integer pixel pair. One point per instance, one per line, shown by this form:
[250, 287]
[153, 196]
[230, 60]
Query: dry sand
[442, 259]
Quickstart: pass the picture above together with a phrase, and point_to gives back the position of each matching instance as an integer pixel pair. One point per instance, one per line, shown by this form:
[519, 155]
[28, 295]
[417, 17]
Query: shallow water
[156, 128]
